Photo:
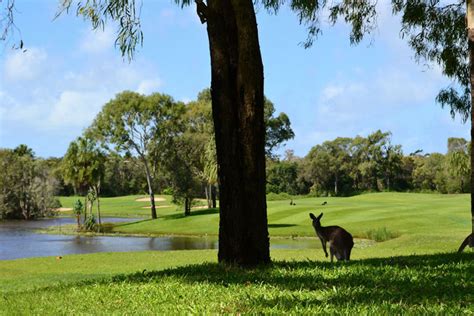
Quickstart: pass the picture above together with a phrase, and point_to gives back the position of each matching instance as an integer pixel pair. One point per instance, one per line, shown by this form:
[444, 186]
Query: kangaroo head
[316, 220]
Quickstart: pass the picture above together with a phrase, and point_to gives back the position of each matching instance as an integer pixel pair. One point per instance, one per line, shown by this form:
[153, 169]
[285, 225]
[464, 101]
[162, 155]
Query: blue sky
[50, 93]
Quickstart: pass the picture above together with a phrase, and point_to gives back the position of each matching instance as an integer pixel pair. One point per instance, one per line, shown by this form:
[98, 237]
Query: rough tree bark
[471, 73]
[237, 106]
[470, 37]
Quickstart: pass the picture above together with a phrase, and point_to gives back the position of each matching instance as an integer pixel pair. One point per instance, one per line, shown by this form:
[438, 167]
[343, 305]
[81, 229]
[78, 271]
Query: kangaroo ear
[320, 215]
[312, 216]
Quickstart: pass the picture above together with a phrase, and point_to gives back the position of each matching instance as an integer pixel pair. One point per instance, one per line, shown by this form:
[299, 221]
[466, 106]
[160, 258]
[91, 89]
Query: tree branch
[201, 9]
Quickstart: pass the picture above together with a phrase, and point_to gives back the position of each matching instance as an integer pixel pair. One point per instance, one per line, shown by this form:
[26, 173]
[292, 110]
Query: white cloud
[98, 41]
[331, 92]
[69, 99]
[76, 108]
[148, 86]
[26, 65]
[185, 99]
[13, 110]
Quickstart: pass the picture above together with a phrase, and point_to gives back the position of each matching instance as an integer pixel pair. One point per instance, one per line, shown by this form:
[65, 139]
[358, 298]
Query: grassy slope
[426, 223]
[90, 284]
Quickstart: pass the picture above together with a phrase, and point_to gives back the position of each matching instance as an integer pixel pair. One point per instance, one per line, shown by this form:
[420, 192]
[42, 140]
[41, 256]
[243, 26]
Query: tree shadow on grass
[427, 279]
[207, 211]
[281, 225]
[130, 223]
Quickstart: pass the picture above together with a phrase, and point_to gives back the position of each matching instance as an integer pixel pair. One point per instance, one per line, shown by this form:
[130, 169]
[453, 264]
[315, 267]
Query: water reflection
[18, 239]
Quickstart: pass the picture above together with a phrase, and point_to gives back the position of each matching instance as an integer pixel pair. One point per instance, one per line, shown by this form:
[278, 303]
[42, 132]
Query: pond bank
[57, 237]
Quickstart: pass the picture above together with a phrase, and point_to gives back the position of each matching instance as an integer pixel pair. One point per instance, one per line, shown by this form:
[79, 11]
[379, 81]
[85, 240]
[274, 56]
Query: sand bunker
[147, 199]
[162, 206]
[64, 209]
[157, 206]
[200, 206]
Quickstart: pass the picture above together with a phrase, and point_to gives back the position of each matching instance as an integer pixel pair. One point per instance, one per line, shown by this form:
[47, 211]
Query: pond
[19, 239]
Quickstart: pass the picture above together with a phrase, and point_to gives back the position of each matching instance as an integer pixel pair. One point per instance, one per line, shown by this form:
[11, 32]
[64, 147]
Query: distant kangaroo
[340, 241]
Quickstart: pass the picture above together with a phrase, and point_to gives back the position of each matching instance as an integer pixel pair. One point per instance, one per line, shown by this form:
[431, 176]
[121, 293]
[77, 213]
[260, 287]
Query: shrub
[278, 196]
[380, 234]
[90, 223]
[167, 191]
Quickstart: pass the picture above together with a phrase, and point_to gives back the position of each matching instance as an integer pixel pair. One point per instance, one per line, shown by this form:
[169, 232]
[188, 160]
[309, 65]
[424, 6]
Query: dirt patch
[64, 209]
[147, 199]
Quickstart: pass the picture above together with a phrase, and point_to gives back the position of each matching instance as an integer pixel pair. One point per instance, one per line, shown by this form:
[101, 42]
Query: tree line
[346, 166]
[187, 169]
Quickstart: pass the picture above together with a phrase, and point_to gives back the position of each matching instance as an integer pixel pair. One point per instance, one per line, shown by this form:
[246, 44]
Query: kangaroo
[340, 241]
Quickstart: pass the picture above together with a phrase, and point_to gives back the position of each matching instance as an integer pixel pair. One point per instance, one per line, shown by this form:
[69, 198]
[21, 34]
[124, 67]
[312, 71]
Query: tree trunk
[85, 209]
[471, 70]
[78, 218]
[187, 207]
[97, 192]
[335, 186]
[237, 108]
[150, 188]
[207, 190]
[214, 196]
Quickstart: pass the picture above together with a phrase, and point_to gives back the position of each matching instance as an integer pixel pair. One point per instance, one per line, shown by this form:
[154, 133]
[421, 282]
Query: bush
[278, 196]
[380, 234]
[167, 191]
[90, 223]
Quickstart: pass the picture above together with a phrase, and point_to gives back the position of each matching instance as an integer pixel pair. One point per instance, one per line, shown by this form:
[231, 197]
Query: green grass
[414, 270]
[124, 206]
[191, 282]
[407, 223]
[402, 223]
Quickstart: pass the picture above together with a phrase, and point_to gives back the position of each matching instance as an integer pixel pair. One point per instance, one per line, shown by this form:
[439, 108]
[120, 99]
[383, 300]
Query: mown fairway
[421, 223]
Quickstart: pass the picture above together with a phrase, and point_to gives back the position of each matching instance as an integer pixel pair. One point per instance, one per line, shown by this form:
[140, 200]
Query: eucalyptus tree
[458, 164]
[327, 166]
[183, 163]
[139, 124]
[443, 32]
[199, 122]
[277, 128]
[282, 177]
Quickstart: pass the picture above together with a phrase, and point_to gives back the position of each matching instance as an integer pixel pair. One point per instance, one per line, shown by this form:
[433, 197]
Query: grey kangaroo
[340, 241]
